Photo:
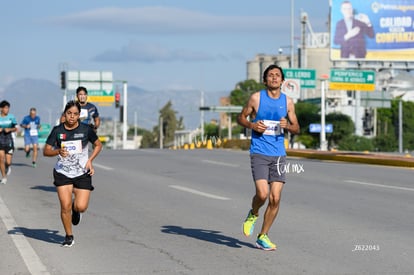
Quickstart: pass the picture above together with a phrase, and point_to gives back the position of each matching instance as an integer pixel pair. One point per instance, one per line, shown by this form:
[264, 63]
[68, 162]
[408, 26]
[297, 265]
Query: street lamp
[283, 47]
[400, 122]
[291, 46]
[281, 52]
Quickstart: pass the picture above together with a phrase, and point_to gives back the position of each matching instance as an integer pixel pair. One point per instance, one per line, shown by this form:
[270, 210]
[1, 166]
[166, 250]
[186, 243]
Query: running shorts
[81, 182]
[269, 168]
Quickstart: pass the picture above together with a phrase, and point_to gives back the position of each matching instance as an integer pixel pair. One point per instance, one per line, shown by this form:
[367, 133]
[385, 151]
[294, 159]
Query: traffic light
[63, 80]
[117, 99]
[367, 122]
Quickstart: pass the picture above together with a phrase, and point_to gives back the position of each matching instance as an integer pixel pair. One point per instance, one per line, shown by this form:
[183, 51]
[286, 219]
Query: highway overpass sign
[352, 80]
[307, 77]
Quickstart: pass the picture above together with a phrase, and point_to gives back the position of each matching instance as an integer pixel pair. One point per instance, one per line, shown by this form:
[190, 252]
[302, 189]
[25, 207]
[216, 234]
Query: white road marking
[220, 163]
[193, 191]
[29, 256]
[380, 185]
[103, 167]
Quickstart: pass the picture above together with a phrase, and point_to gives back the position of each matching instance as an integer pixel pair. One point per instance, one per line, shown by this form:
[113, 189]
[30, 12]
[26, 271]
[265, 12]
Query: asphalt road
[180, 212]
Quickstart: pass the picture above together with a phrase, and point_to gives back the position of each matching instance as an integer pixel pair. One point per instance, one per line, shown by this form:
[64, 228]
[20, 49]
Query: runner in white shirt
[73, 170]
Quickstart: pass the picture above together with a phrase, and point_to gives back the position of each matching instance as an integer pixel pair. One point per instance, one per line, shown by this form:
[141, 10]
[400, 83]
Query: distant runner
[89, 112]
[31, 126]
[7, 128]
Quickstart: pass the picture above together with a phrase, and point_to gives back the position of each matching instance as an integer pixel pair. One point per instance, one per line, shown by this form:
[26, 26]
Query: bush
[385, 143]
[243, 144]
[356, 143]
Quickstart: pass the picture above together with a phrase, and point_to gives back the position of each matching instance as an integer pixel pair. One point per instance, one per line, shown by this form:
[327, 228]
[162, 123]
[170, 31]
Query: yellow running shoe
[248, 225]
[263, 242]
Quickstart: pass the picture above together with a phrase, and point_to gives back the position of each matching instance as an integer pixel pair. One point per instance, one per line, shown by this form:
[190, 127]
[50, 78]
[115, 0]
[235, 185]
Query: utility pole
[292, 50]
[304, 20]
[125, 118]
[63, 83]
[323, 145]
[161, 133]
[202, 116]
[400, 126]
[229, 121]
[135, 124]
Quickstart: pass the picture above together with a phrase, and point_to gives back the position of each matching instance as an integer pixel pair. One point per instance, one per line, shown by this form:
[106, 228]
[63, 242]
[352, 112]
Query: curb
[356, 157]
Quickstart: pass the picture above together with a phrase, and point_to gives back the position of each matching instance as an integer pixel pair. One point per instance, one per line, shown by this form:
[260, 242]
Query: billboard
[372, 30]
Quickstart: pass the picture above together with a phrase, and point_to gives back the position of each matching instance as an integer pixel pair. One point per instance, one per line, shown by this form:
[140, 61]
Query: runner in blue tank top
[271, 113]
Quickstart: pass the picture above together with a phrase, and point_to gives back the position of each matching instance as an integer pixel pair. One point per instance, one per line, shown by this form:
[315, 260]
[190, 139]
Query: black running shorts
[272, 169]
[82, 182]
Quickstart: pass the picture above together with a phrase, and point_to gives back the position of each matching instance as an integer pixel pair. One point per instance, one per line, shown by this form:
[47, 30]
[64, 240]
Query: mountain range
[143, 106]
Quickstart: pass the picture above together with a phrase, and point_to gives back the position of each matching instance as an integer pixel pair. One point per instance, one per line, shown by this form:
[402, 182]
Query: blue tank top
[271, 110]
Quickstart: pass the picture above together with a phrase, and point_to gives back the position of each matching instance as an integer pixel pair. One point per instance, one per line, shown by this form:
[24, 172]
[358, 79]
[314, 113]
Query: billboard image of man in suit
[351, 31]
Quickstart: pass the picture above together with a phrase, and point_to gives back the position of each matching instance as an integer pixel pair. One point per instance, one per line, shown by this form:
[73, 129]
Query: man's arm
[23, 124]
[242, 117]
[293, 125]
[249, 110]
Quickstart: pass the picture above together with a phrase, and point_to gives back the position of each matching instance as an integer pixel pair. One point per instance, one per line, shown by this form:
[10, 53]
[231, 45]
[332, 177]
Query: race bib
[33, 129]
[33, 132]
[272, 128]
[72, 146]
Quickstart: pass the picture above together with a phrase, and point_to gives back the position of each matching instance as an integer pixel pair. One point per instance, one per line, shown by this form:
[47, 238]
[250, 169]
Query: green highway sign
[307, 77]
[100, 93]
[107, 96]
[352, 80]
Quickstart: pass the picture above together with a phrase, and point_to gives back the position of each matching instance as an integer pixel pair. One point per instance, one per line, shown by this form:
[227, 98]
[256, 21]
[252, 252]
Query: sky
[151, 44]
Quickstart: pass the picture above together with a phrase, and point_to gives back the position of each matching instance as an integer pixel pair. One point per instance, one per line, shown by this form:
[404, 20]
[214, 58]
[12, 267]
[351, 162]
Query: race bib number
[272, 128]
[72, 146]
[33, 129]
[33, 132]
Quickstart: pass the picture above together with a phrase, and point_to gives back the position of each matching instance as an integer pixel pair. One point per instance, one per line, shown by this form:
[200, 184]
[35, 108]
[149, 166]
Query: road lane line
[29, 256]
[103, 167]
[220, 163]
[193, 191]
[380, 185]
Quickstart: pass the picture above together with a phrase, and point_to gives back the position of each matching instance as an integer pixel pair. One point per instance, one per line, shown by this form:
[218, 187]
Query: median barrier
[356, 157]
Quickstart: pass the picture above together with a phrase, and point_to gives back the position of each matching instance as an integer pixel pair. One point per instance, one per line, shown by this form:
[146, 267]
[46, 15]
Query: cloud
[167, 20]
[149, 53]
[161, 22]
